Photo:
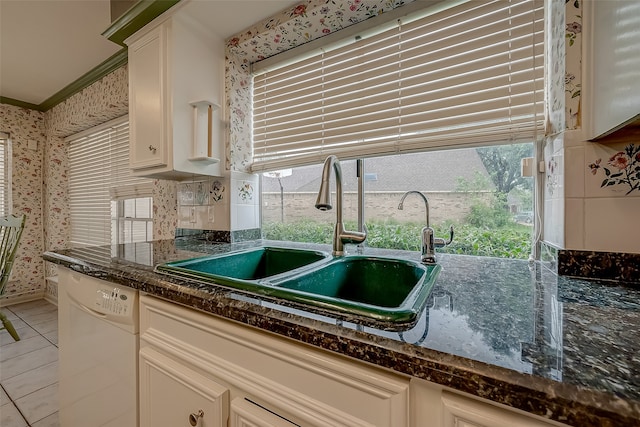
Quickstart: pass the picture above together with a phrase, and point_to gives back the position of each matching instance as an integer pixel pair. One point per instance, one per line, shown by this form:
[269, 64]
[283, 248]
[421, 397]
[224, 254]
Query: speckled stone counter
[504, 330]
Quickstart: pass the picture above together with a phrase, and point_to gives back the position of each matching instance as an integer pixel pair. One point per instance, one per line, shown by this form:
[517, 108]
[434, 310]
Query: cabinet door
[245, 413]
[172, 395]
[462, 412]
[148, 99]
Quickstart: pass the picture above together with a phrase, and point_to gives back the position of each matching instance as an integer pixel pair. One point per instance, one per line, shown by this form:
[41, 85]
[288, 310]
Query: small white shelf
[210, 160]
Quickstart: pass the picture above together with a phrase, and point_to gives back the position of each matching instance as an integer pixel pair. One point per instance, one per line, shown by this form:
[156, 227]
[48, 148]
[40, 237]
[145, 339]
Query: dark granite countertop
[504, 330]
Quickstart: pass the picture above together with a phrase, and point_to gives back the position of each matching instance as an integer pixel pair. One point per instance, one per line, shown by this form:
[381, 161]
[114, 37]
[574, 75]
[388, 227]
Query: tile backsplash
[204, 205]
[230, 203]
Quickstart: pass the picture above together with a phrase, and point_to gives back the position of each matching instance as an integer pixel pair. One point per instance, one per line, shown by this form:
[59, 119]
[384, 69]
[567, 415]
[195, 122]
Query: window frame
[118, 234]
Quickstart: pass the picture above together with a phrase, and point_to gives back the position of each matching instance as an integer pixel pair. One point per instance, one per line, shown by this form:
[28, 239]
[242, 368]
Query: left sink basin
[244, 267]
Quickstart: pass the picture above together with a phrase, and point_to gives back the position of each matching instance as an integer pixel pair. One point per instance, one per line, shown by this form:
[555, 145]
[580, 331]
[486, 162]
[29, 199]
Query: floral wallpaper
[573, 61]
[293, 27]
[305, 22]
[555, 16]
[24, 126]
[100, 102]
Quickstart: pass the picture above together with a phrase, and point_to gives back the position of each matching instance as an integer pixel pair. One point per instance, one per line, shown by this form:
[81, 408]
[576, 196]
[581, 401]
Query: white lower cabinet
[173, 395]
[192, 361]
[197, 369]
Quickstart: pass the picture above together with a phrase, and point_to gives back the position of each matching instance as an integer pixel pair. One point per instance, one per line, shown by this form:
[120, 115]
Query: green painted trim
[18, 103]
[139, 15]
[112, 63]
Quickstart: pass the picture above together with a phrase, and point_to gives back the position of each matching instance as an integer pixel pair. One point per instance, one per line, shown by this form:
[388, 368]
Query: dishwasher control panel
[114, 301]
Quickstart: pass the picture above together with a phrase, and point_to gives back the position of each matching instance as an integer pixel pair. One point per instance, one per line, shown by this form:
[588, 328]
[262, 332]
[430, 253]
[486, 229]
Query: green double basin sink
[387, 290]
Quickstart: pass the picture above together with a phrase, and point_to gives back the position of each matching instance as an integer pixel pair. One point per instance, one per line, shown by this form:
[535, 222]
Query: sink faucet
[429, 242]
[323, 202]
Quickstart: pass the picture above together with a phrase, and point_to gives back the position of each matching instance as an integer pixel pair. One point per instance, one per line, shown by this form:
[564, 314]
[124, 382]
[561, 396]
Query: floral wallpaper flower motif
[245, 192]
[552, 180]
[216, 194]
[573, 28]
[624, 169]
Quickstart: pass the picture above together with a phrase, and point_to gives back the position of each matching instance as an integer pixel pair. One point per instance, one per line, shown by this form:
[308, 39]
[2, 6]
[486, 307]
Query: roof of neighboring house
[428, 171]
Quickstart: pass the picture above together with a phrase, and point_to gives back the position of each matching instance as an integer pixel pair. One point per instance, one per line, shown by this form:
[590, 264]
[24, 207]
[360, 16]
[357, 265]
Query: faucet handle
[440, 243]
[450, 236]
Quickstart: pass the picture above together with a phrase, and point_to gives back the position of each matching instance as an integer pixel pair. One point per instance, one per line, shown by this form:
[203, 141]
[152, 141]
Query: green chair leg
[6, 323]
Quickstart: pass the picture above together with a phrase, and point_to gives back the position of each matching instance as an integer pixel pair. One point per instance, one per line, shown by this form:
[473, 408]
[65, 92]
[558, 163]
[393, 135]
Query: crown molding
[139, 15]
[18, 103]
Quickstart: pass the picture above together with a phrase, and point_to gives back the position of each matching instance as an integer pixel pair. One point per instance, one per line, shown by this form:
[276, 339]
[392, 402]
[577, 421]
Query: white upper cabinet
[176, 84]
[612, 63]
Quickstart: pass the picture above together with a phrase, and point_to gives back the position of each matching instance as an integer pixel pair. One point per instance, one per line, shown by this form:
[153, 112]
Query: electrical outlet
[192, 215]
[211, 214]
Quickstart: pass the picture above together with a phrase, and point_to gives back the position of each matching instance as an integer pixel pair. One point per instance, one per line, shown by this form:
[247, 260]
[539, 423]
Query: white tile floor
[29, 367]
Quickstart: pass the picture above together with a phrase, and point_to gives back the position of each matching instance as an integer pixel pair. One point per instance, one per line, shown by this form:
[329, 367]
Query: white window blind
[5, 174]
[469, 75]
[99, 173]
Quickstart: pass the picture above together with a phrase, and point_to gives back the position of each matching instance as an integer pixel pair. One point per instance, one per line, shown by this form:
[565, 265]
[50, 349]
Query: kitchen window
[132, 220]
[108, 205]
[477, 190]
[459, 82]
[5, 174]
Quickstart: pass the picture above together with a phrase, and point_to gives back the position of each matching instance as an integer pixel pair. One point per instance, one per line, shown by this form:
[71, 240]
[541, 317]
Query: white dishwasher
[98, 352]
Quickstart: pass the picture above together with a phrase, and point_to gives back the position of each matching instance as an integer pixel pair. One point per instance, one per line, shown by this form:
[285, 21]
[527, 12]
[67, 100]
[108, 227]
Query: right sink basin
[382, 289]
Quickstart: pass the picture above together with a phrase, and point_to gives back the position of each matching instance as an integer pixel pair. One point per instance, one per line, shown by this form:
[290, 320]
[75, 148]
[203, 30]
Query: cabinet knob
[195, 417]
[152, 149]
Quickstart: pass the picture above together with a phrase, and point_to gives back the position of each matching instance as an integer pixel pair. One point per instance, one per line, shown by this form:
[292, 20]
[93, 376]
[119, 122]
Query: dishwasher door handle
[88, 310]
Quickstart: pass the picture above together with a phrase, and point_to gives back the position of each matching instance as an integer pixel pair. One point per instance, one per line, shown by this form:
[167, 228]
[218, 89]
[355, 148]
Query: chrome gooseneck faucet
[429, 242]
[323, 202]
